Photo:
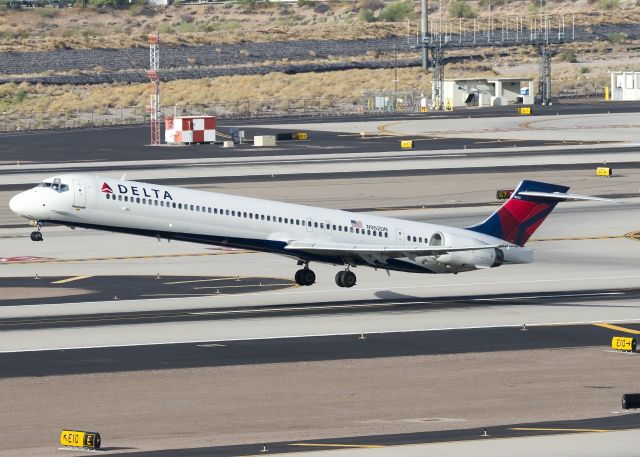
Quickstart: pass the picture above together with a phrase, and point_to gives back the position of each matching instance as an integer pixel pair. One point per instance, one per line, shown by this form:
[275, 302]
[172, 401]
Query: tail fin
[520, 216]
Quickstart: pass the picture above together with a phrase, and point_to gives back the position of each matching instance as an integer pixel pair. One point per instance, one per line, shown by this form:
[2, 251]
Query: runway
[179, 349]
[302, 349]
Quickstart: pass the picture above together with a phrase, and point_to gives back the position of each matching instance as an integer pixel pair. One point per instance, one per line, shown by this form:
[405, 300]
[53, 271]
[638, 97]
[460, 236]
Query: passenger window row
[245, 215]
[434, 240]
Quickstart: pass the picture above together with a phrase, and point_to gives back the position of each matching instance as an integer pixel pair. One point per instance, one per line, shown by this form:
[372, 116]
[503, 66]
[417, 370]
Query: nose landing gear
[36, 235]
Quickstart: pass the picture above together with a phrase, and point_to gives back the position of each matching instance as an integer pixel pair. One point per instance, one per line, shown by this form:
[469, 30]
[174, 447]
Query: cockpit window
[56, 185]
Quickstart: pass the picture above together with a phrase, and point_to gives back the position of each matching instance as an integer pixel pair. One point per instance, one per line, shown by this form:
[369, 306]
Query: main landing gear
[305, 276]
[346, 278]
[37, 235]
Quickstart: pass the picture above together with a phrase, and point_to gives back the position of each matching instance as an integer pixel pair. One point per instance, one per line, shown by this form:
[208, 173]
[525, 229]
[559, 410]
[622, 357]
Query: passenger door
[79, 194]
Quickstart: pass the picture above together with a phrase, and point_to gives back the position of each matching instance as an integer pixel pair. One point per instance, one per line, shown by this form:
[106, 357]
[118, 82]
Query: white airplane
[305, 233]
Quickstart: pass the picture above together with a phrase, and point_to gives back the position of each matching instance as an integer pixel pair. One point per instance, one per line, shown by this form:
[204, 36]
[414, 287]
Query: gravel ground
[246, 404]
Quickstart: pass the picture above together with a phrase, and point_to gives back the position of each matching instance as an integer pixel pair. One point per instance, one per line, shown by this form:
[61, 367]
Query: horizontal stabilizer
[560, 196]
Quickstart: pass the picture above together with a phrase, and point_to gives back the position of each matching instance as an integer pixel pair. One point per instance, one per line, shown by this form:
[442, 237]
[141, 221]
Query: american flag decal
[356, 224]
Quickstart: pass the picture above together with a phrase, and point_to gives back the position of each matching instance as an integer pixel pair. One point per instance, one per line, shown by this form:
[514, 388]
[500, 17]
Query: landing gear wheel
[346, 279]
[36, 236]
[349, 279]
[305, 277]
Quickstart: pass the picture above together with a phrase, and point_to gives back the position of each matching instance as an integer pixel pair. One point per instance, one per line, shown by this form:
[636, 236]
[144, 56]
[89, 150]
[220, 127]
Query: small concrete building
[487, 92]
[625, 85]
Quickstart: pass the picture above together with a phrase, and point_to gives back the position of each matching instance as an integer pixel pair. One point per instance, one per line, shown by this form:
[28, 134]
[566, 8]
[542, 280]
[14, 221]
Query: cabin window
[280, 220]
[250, 215]
[269, 218]
[262, 218]
[351, 229]
[375, 233]
[321, 225]
[335, 228]
[155, 202]
[339, 228]
[386, 234]
[107, 196]
[408, 238]
[138, 200]
[368, 232]
[315, 224]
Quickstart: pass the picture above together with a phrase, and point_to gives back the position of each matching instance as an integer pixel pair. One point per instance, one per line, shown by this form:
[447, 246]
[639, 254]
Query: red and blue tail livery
[522, 214]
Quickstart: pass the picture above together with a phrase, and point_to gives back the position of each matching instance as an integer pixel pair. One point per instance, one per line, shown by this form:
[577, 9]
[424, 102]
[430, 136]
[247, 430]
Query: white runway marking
[316, 335]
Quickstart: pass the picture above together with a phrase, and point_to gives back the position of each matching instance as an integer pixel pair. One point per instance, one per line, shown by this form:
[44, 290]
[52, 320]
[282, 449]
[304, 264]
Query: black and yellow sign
[524, 111]
[76, 438]
[301, 136]
[504, 194]
[406, 144]
[621, 343]
[604, 171]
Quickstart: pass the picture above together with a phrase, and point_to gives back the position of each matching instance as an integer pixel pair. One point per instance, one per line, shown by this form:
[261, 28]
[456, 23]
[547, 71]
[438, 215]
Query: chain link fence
[246, 109]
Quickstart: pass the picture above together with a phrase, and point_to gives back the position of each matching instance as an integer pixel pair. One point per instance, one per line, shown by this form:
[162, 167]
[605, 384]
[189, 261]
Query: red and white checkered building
[189, 130]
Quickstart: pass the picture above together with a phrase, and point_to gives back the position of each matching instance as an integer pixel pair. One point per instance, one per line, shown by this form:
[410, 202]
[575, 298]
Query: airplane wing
[345, 249]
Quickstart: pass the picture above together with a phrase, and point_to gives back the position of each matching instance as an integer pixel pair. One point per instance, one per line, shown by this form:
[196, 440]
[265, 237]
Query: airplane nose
[15, 204]
[19, 204]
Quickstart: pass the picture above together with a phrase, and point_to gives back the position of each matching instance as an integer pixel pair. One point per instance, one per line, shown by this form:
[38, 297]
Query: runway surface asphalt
[624, 421]
[129, 143]
[291, 350]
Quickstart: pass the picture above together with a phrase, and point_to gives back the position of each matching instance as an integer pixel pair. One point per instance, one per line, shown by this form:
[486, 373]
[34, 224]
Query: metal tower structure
[544, 32]
[154, 108]
[544, 82]
[437, 77]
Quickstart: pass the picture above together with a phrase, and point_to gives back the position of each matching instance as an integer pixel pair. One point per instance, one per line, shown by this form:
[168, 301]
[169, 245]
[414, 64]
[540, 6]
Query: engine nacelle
[472, 260]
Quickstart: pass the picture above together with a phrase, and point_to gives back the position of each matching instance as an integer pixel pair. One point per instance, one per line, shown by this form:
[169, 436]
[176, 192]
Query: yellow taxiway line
[361, 446]
[74, 278]
[618, 328]
[575, 430]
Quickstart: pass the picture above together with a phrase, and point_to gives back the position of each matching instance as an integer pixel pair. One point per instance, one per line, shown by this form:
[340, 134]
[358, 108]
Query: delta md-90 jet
[304, 233]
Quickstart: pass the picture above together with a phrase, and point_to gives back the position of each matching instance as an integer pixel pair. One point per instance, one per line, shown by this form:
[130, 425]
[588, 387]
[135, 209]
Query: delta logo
[137, 191]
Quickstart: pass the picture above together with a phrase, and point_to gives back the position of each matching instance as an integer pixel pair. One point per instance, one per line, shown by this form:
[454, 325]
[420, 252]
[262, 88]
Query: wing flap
[388, 251]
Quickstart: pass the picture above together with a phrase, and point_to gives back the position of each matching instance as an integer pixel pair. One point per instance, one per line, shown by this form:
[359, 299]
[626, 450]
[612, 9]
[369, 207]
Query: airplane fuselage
[248, 223]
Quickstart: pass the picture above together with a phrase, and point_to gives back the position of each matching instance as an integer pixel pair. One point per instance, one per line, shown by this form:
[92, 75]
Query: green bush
[568, 55]
[461, 9]
[366, 15]
[582, 70]
[19, 96]
[396, 12]
[617, 37]
[608, 4]
[165, 28]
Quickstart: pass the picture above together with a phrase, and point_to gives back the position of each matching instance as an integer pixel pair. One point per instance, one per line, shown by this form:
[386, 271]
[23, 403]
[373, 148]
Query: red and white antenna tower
[154, 77]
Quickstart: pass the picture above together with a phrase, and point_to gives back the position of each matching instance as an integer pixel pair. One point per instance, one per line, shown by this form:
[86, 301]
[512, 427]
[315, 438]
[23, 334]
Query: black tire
[339, 278]
[349, 279]
[308, 277]
[297, 278]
